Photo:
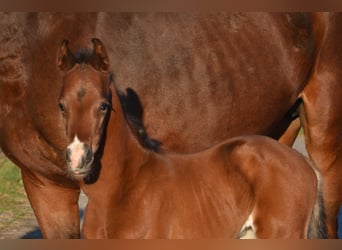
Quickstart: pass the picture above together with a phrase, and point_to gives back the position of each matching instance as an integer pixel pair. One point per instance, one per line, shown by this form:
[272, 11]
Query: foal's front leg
[55, 206]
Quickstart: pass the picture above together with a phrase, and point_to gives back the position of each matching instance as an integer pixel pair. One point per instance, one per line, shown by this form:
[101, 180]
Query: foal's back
[247, 183]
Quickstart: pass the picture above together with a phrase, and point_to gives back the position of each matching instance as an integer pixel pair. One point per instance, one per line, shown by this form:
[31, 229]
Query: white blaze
[76, 152]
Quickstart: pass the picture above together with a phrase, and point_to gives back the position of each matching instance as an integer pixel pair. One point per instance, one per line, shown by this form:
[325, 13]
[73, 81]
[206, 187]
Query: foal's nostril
[67, 155]
[88, 154]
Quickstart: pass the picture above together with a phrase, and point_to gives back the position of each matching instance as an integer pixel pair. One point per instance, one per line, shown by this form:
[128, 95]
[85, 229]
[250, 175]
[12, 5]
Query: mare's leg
[322, 121]
[322, 114]
[291, 133]
[55, 206]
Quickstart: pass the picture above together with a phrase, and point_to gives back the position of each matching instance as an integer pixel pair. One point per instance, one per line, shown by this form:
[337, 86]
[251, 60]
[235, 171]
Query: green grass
[12, 194]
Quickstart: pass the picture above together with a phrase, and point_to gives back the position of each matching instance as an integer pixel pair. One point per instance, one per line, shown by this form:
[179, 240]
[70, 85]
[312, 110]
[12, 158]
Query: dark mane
[133, 112]
[83, 56]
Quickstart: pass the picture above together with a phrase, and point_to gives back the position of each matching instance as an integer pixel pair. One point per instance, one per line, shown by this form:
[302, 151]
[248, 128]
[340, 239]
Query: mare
[247, 183]
[202, 78]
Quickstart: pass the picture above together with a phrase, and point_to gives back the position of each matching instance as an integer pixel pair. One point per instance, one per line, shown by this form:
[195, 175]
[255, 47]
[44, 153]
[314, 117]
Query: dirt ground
[27, 227]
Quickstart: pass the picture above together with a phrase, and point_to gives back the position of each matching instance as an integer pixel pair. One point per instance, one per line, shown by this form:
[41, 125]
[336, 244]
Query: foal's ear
[100, 59]
[65, 59]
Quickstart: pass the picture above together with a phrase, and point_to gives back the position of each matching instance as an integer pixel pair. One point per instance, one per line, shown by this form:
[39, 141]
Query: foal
[247, 186]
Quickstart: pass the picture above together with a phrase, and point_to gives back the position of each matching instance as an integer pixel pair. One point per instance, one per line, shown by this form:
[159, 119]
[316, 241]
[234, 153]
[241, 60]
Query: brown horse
[246, 183]
[202, 78]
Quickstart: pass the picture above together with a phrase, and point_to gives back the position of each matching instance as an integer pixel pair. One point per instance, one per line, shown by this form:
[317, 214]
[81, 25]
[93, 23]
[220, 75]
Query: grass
[12, 193]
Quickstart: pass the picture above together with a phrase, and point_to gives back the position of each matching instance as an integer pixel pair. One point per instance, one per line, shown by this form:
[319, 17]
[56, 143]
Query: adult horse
[248, 183]
[201, 79]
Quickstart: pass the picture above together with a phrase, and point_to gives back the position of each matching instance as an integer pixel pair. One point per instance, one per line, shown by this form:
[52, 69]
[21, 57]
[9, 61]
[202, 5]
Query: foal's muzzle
[79, 158]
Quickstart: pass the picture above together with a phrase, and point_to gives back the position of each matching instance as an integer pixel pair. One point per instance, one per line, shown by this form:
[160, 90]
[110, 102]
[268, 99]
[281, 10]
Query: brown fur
[210, 194]
[202, 78]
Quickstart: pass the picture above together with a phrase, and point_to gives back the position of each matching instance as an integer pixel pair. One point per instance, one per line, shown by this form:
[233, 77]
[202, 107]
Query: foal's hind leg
[278, 220]
[55, 207]
[322, 116]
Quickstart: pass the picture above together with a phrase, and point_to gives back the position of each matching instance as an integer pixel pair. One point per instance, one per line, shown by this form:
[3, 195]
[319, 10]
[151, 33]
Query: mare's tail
[317, 227]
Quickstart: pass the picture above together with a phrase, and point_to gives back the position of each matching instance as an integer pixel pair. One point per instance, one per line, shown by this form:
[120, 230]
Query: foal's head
[85, 102]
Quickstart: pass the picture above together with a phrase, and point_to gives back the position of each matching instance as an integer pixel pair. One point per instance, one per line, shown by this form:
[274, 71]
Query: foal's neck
[123, 152]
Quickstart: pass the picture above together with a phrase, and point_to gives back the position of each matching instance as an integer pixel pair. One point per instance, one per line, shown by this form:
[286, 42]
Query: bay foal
[246, 186]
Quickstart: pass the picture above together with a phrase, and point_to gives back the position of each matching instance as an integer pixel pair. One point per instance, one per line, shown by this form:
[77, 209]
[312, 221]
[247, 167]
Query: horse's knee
[55, 207]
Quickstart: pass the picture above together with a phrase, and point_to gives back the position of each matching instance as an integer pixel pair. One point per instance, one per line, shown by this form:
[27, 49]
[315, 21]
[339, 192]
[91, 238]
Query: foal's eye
[104, 107]
[61, 107]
